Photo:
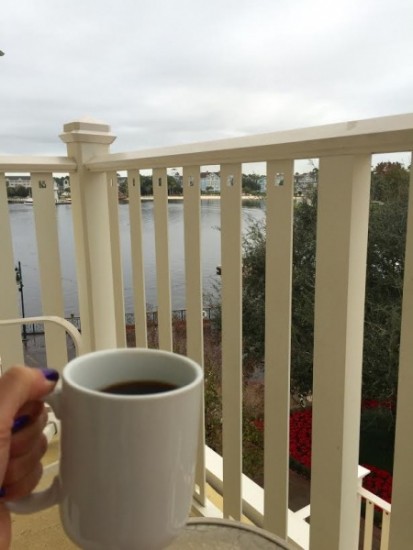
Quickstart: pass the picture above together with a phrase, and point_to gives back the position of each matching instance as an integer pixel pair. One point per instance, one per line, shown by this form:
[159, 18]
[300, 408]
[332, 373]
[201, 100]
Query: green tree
[123, 187]
[251, 184]
[11, 192]
[384, 288]
[146, 185]
[384, 283]
[21, 191]
[253, 292]
[174, 185]
[60, 182]
[303, 284]
[390, 183]
[302, 295]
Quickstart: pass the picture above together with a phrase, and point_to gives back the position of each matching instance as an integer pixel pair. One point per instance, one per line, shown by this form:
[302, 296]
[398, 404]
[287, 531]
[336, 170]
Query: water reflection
[25, 250]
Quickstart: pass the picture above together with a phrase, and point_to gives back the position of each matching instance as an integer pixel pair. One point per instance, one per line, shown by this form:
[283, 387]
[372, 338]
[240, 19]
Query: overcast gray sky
[164, 72]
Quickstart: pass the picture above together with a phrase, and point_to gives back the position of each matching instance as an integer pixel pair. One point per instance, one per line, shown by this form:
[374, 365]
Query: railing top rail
[32, 164]
[377, 135]
[379, 502]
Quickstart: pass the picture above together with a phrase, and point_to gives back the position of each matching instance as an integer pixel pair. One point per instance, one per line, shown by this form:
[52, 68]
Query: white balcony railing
[345, 153]
[372, 503]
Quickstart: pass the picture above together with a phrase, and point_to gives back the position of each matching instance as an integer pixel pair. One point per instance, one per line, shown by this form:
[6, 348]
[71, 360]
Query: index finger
[18, 386]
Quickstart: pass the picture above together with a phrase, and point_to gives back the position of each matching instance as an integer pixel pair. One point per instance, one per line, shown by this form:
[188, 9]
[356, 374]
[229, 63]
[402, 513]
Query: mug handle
[35, 502]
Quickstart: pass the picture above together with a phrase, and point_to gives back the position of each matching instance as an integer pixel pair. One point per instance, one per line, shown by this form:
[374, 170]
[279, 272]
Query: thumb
[18, 386]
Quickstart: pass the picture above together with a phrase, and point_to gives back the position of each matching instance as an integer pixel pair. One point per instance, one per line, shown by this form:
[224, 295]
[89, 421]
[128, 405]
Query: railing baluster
[193, 265]
[231, 337]
[373, 503]
[10, 336]
[342, 227]
[279, 233]
[49, 265]
[385, 531]
[401, 530]
[163, 279]
[368, 526]
[138, 271]
[116, 259]
[193, 279]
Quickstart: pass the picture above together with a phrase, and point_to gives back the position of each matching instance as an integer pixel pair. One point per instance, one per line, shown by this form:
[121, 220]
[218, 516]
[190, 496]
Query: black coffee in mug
[139, 387]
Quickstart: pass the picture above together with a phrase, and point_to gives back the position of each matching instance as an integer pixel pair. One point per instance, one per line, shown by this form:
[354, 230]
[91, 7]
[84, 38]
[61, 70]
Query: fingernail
[2, 492]
[19, 423]
[50, 374]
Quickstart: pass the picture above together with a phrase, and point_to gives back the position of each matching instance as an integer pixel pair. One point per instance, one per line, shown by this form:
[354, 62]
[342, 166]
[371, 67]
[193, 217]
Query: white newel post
[96, 234]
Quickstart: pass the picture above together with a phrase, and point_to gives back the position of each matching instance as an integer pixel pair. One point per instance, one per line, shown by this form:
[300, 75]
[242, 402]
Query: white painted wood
[138, 271]
[194, 309]
[376, 135]
[304, 513]
[24, 163]
[368, 525]
[342, 226]
[207, 509]
[385, 530]
[193, 262]
[78, 193]
[11, 349]
[163, 278]
[279, 236]
[377, 501]
[362, 472]
[401, 529]
[49, 265]
[231, 338]
[116, 259]
[100, 291]
[253, 502]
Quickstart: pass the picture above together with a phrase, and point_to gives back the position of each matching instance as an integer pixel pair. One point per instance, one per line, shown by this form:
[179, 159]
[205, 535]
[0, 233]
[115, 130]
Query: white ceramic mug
[127, 461]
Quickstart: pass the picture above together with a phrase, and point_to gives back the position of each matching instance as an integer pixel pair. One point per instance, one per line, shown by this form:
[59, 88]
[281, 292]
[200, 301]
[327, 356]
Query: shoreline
[202, 197]
[144, 198]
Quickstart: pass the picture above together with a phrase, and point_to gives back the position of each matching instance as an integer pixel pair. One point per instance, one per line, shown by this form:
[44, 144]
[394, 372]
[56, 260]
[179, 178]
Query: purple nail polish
[2, 492]
[50, 374]
[19, 423]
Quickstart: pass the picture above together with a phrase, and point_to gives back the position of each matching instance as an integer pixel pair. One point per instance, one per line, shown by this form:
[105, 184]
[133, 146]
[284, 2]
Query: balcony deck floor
[41, 531]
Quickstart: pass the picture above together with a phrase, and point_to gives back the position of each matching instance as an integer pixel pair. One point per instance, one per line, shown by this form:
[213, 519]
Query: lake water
[24, 245]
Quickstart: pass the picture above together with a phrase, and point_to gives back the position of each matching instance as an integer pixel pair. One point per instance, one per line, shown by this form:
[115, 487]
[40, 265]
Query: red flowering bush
[378, 481]
[300, 437]
[375, 403]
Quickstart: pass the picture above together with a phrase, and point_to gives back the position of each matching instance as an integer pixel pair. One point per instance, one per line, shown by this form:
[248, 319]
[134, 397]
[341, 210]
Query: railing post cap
[87, 130]
[362, 472]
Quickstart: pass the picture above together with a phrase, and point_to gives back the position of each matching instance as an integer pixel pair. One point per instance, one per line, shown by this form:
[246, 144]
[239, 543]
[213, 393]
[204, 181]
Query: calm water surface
[25, 251]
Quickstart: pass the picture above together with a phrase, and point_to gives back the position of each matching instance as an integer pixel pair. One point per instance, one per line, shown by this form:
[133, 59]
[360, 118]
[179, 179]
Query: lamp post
[19, 283]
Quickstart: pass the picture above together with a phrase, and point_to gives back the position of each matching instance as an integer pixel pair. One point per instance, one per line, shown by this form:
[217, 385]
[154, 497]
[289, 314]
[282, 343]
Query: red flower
[378, 481]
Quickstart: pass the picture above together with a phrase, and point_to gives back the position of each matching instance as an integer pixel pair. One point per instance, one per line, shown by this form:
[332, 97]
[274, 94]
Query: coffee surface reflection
[139, 387]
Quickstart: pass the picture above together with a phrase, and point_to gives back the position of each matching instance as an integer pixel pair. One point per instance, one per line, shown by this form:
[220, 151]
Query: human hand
[22, 443]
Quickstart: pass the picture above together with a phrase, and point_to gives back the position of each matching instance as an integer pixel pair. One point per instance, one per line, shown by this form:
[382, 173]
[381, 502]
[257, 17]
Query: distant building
[210, 182]
[16, 181]
[304, 183]
[25, 181]
[262, 182]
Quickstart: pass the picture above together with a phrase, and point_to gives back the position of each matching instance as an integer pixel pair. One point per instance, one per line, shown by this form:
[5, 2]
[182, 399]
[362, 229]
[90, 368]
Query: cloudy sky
[164, 72]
